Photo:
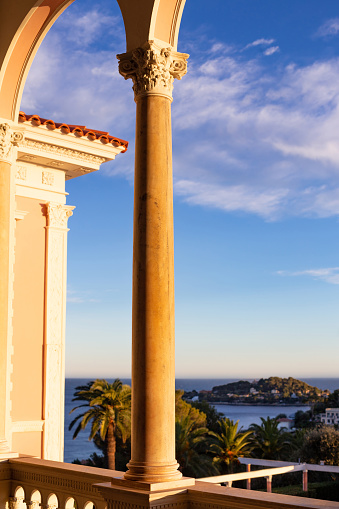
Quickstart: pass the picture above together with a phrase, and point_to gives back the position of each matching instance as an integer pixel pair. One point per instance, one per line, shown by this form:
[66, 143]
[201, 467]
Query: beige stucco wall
[28, 317]
[27, 443]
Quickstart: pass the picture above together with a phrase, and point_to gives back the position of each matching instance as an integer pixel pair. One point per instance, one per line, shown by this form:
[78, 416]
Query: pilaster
[54, 337]
[10, 138]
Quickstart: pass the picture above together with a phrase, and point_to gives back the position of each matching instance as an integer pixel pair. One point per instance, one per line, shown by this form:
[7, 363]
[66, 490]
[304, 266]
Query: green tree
[212, 416]
[108, 409]
[321, 444]
[269, 441]
[184, 409]
[303, 419]
[192, 440]
[230, 444]
[191, 448]
[333, 400]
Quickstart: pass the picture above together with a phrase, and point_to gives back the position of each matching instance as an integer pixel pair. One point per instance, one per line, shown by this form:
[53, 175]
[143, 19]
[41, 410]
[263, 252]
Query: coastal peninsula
[266, 391]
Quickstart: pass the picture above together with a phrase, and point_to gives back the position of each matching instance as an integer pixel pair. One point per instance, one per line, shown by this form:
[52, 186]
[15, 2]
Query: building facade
[45, 155]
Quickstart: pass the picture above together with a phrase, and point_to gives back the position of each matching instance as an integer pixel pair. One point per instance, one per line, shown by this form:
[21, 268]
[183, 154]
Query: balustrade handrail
[334, 469]
[70, 481]
[64, 481]
[251, 475]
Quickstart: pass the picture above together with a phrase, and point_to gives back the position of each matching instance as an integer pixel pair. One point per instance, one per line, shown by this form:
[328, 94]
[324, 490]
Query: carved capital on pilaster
[32, 504]
[8, 139]
[57, 214]
[153, 69]
[14, 502]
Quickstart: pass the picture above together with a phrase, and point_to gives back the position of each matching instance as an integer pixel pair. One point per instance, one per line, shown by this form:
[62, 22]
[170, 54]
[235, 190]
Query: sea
[81, 448]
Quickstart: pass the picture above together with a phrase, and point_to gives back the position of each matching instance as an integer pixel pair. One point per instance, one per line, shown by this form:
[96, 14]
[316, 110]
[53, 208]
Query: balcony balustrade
[30, 483]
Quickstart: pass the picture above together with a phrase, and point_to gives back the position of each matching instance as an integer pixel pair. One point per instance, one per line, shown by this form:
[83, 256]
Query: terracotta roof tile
[77, 130]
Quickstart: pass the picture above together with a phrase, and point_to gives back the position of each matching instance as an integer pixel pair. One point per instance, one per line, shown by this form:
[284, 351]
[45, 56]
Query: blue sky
[256, 187]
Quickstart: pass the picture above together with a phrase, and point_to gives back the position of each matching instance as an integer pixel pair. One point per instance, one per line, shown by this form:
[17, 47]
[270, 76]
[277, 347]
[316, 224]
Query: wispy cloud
[79, 297]
[271, 50]
[239, 198]
[248, 137]
[271, 132]
[329, 28]
[259, 42]
[329, 275]
[74, 79]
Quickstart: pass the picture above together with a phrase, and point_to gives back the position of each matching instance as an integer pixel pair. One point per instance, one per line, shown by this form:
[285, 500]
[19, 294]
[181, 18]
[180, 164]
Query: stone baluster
[248, 481]
[305, 480]
[269, 483]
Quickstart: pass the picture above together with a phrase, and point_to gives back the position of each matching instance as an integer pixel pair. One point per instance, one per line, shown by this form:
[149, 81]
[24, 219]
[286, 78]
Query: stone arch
[19, 497]
[36, 496]
[24, 25]
[70, 503]
[89, 505]
[52, 501]
[19, 492]
[157, 20]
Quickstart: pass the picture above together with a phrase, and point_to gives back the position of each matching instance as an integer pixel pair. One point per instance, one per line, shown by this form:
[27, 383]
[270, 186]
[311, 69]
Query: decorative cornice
[61, 151]
[8, 139]
[153, 69]
[57, 215]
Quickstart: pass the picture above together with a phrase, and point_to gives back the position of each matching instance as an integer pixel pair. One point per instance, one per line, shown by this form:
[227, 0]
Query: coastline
[256, 404]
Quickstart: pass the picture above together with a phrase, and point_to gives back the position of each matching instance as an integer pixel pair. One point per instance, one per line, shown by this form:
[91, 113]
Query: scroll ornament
[58, 215]
[8, 139]
[153, 69]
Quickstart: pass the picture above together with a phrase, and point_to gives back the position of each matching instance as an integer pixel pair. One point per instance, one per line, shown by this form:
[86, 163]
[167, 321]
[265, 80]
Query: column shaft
[5, 230]
[54, 330]
[153, 369]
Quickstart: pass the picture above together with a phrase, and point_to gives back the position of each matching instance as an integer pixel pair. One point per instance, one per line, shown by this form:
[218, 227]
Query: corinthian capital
[8, 138]
[57, 215]
[153, 69]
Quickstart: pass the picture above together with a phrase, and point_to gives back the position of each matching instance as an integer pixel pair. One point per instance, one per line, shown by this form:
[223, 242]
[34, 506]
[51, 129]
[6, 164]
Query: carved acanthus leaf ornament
[153, 69]
[8, 139]
[57, 215]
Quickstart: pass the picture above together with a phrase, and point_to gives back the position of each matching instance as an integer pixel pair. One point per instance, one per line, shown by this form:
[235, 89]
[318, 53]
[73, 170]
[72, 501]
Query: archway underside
[24, 24]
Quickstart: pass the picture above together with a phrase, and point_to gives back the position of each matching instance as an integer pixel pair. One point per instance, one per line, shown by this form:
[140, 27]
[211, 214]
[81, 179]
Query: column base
[5, 452]
[146, 495]
[152, 473]
[8, 455]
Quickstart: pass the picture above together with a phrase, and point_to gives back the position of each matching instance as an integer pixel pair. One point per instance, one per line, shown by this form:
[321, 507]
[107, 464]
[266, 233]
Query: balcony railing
[29, 483]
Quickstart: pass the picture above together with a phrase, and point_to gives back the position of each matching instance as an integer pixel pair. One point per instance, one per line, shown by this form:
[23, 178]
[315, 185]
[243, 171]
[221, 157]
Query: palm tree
[191, 448]
[269, 441]
[230, 444]
[108, 408]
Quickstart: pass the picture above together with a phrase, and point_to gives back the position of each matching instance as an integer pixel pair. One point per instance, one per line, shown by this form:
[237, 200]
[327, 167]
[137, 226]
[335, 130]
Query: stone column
[153, 70]
[8, 139]
[54, 334]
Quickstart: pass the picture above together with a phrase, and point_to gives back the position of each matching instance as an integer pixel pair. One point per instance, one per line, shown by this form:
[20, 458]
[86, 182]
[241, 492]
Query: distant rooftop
[78, 130]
